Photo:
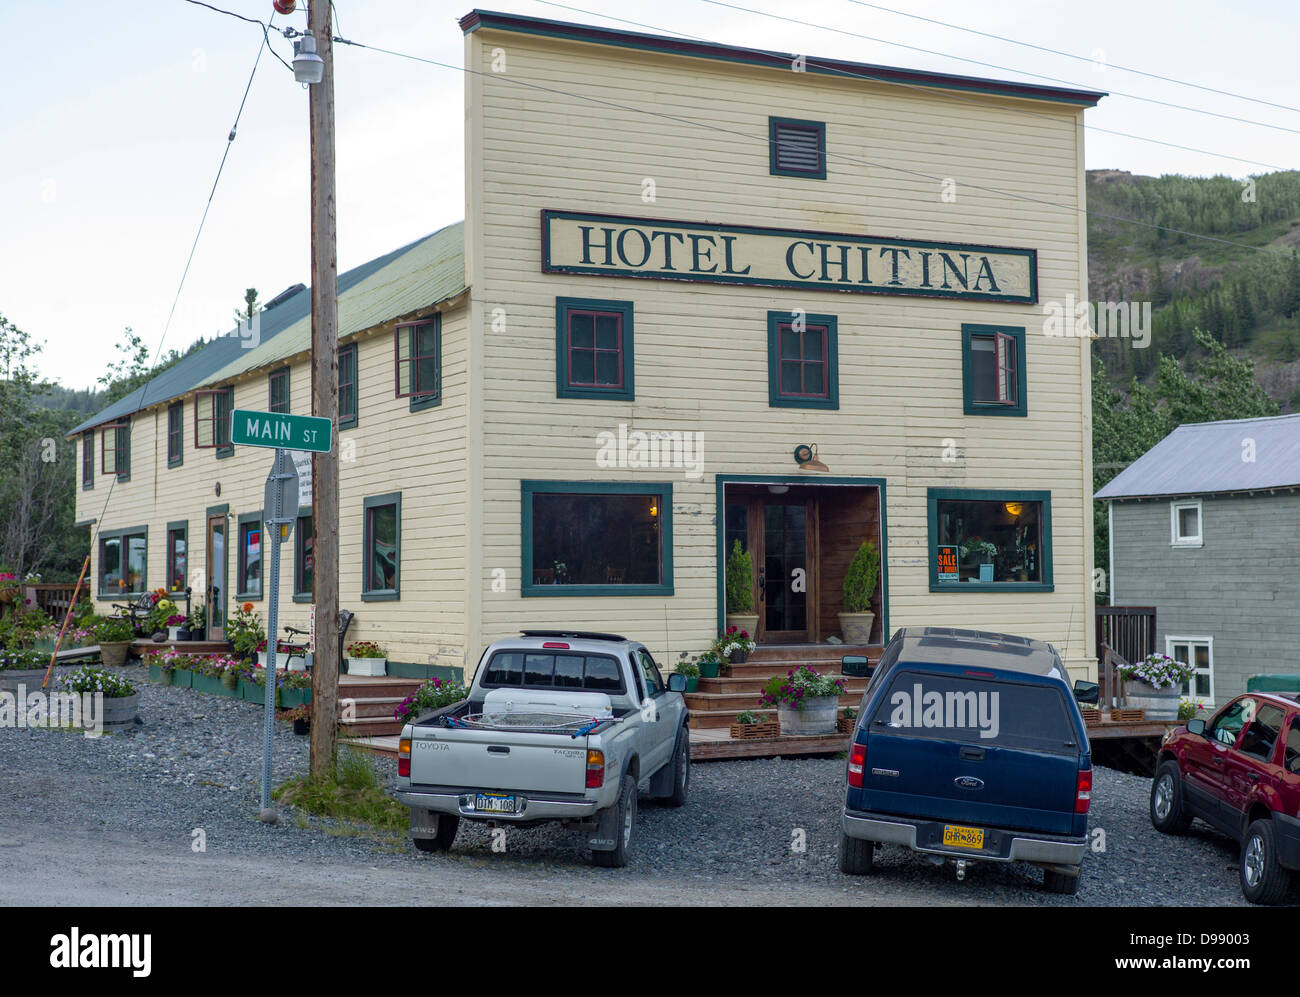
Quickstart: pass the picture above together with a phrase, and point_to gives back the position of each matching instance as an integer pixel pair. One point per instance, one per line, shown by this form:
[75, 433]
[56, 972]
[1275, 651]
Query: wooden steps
[370, 700]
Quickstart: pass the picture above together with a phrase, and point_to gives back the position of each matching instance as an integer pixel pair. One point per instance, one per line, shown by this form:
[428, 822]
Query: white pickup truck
[559, 726]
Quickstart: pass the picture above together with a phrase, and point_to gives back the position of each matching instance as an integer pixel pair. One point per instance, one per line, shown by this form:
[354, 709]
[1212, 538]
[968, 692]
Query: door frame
[720, 523]
[216, 512]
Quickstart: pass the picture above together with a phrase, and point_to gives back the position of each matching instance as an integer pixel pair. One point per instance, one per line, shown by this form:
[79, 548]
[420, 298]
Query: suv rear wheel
[857, 856]
[1263, 881]
[1060, 882]
[1167, 814]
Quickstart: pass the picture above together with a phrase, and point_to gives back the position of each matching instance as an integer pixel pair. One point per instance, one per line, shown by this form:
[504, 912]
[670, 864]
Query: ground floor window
[382, 547]
[248, 578]
[1199, 653]
[177, 556]
[304, 561]
[123, 557]
[998, 540]
[597, 538]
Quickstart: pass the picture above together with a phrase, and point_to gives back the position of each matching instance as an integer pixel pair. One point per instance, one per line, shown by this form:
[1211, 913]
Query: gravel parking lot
[119, 814]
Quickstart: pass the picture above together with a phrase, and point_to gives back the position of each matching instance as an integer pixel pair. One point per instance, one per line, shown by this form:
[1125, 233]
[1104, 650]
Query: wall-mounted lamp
[805, 456]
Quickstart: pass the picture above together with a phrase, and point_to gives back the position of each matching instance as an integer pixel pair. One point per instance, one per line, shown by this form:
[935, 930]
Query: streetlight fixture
[308, 67]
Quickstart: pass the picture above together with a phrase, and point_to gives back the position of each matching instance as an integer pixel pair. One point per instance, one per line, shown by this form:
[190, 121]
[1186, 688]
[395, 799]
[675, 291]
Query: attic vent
[798, 148]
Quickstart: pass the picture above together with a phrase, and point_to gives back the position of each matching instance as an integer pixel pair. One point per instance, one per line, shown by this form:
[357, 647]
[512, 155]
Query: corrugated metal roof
[226, 355]
[427, 272]
[1204, 458]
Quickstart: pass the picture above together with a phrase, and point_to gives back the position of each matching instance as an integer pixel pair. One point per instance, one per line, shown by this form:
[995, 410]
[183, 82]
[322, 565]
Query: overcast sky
[116, 116]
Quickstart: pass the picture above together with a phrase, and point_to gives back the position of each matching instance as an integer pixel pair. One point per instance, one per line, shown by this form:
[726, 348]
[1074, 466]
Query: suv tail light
[857, 764]
[1083, 791]
[595, 769]
[404, 757]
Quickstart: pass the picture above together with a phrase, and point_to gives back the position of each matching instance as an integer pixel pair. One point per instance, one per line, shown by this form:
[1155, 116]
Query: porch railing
[53, 597]
[1124, 634]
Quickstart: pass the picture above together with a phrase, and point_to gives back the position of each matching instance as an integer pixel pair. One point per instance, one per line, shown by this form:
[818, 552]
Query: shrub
[860, 579]
[433, 695]
[740, 580]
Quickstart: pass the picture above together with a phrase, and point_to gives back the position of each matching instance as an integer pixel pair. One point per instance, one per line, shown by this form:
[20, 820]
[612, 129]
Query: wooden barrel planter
[120, 711]
[1159, 704]
[816, 717]
[113, 653]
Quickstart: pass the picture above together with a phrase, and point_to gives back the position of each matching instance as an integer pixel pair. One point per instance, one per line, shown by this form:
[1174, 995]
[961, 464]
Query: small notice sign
[947, 561]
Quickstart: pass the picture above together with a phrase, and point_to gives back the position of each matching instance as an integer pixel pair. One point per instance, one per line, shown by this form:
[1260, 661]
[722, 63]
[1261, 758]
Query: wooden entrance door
[215, 592]
[785, 549]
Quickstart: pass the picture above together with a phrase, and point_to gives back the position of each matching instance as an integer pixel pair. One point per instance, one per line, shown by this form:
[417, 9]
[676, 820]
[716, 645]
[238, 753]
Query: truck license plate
[496, 803]
[963, 837]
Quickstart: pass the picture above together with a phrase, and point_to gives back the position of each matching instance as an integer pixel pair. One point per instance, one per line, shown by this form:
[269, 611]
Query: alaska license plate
[956, 836]
[494, 803]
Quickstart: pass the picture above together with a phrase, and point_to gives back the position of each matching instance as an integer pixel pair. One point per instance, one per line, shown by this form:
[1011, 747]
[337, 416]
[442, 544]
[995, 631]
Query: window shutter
[402, 360]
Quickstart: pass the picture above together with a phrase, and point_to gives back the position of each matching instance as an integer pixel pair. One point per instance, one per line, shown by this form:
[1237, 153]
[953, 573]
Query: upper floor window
[993, 370]
[417, 354]
[212, 410]
[88, 459]
[175, 434]
[278, 383]
[1185, 523]
[593, 349]
[802, 360]
[797, 148]
[115, 450]
[348, 386]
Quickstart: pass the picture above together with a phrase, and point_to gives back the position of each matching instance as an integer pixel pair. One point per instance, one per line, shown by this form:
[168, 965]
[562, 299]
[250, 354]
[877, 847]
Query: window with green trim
[802, 360]
[175, 434]
[593, 349]
[797, 148]
[417, 358]
[304, 559]
[248, 562]
[348, 386]
[177, 556]
[123, 560]
[381, 550]
[115, 449]
[993, 370]
[278, 390]
[88, 459]
[984, 539]
[212, 408]
[597, 538]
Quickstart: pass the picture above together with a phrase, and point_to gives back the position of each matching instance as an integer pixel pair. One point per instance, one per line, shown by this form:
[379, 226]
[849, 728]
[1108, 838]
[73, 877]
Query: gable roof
[1205, 458]
[290, 312]
[870, 72]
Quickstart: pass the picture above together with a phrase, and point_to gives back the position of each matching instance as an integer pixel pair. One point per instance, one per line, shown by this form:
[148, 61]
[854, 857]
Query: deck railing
[1124, 634]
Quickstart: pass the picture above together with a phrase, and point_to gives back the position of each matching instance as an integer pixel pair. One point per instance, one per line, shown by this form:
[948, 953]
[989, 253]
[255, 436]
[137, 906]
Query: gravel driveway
[119, 813]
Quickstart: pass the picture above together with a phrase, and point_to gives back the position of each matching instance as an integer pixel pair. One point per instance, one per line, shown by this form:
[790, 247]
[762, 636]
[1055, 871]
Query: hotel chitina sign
[615, 246]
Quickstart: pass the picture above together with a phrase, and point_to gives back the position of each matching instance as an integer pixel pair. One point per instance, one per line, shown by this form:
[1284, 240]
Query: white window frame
[1192, 642]
[1180, 541]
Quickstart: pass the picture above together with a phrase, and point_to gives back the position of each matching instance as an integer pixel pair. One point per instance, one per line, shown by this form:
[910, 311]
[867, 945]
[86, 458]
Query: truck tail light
[404, 757]
[595, 769]
[857, 765]
[1083, 792]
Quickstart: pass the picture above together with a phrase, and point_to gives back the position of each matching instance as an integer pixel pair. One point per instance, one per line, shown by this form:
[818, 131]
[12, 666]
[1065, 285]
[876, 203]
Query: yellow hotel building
[701, 295]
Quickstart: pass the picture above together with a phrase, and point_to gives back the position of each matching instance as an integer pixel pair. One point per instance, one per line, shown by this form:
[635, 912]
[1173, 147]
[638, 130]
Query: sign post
[284, 432]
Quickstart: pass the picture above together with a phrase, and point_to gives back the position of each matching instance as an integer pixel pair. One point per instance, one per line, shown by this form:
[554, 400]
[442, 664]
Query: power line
[264, 25]
[1003, 69]
[931, 92]
[766, 140]
[1072, 55]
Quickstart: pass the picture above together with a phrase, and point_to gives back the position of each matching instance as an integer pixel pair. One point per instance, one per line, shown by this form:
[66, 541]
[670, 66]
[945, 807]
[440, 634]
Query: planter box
[120, 711]
[251, 692]
[1091, 717]
[209, 684]
[846, 725]
[1128, 716]
[155, 673]
[755, 732]
[367, 666]
[818, 716]
[290, 698]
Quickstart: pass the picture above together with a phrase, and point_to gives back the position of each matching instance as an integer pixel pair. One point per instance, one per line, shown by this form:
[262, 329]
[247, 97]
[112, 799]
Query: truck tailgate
[496, 760]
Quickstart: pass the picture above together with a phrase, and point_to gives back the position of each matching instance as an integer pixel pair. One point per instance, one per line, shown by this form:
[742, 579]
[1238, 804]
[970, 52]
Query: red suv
[1239, 772]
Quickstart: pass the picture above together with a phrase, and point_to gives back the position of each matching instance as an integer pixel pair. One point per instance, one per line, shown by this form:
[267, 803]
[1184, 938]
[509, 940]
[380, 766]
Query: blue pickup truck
[969, 747]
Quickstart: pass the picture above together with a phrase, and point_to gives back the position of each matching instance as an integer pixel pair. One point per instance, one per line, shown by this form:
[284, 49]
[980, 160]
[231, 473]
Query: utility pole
[324, 402]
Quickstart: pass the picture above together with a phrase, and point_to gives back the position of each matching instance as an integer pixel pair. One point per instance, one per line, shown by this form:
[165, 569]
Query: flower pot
[708, 669]
[818, 716]
[692, 683]
[197, 633]
[113, 653]
[261, 659]
[120, 711]
[846, 725]
[367, 666]
[747, 622]
[302, 727]
[1159, 704]
[855, 628]
[183, 633]
[173, 633]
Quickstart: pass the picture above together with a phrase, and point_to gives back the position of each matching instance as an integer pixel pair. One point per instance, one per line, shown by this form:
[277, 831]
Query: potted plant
[120, 697]
[806, 701]
[245, 632]
[981, 552]
[749, 725]
[709, 664]
[857, 619]
[1154, 684]
[848, 720]
[295, 688]
[740, 591]
[301, 717]
[198, 622]
[177, 624]
[8, 586]
[690, 671]
[733, 646]
[365, 657]
[114, 636]
[433, 695]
